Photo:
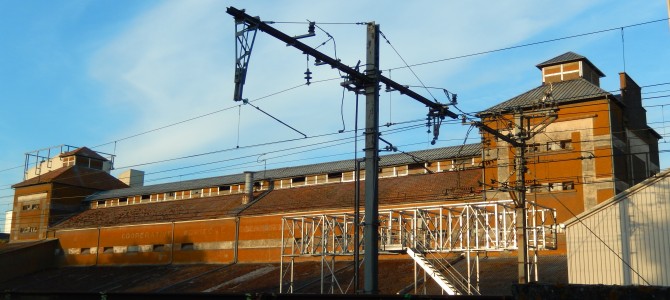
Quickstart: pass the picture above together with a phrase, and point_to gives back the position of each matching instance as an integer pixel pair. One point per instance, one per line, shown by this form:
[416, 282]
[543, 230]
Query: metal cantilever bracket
[434, 119]
[245, 35]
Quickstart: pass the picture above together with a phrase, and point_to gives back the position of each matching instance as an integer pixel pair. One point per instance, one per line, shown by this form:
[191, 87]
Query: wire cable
[530, 44]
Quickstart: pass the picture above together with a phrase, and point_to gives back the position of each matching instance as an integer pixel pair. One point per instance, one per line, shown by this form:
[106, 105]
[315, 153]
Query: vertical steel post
[521, 235]
[357, 221]
[371, 161]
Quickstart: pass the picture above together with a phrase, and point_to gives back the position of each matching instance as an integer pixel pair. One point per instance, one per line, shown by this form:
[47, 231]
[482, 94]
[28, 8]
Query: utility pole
[523, 131]
[520, 165]
[370, 257]
[246, 27]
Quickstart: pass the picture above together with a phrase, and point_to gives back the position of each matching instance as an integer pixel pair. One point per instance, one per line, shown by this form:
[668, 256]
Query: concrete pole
[371, 236]
[521, 235]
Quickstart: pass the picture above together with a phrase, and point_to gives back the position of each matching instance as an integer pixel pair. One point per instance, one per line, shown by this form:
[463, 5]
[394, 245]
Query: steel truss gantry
[464, 229]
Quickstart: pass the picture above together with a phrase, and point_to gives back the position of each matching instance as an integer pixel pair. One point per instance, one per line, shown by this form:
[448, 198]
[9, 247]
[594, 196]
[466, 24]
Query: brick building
[598, 146]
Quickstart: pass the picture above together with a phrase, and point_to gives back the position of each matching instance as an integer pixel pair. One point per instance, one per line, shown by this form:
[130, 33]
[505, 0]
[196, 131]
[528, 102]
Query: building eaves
[561, 93]
[76, 176]
[288, 172]
[85, 152]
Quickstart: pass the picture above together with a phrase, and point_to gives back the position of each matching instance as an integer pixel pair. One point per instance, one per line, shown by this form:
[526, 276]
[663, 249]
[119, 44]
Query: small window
[35, 206]
[159, 248]
[132, 249]
[101, 202]
[187, 246]
[85, 251]
[535, 188]
[299, 179]
[568, 185]
[108, 250]
[123, 201]
[146, 197]
[559, 145]
[337, 175]
[95, 164]
[551, 187]
[25, 207]
[416, 166]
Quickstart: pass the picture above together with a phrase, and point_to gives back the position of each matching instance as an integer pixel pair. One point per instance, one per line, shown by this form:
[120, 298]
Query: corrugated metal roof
[563, 58]
[561, 92]
[468, 150]
[568, 57]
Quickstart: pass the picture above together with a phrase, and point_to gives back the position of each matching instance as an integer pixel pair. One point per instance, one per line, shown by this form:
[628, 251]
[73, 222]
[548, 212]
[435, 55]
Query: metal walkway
[463, 229]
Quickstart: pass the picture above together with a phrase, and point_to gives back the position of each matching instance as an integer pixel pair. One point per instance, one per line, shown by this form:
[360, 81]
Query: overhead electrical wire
[529, 44]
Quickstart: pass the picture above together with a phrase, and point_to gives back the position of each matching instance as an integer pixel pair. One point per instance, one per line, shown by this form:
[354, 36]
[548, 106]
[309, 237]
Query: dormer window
[569, 66]
[561, 72]
[68, 161]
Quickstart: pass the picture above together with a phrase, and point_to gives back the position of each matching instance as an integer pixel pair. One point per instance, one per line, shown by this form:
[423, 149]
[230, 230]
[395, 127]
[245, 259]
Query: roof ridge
[563, 92]
[293, 171]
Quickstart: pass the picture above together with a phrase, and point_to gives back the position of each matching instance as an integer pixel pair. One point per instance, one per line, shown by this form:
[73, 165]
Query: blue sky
[90, 73]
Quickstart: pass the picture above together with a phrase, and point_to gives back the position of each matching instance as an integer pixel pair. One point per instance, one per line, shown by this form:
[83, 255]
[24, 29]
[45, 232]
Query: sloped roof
[405, 189]
[497, 274]
[468, 150]
[566, 58]
[168, 211]
[412, 189]
[76, 176]
[562, 92]
[85, 152]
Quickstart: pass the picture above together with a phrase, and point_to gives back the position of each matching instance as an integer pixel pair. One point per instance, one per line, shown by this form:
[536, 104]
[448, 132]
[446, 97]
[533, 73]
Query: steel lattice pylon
[462, 228]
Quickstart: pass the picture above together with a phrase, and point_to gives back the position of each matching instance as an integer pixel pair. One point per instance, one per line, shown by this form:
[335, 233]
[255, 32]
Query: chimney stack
[132, 177]
[248, 187]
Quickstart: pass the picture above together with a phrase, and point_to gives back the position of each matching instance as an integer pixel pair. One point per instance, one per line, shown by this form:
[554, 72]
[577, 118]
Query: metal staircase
[432, 271]
[429, 232]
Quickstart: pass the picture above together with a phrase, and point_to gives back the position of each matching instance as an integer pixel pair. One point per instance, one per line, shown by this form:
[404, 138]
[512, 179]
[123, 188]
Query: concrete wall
[28, 258]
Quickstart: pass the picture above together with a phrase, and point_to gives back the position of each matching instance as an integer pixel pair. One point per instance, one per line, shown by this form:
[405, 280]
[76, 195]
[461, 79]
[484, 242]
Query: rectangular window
[568, 185]
[159, 248]
[108, 250]
[132, 249]
[187, 246]
[416, 168]
[85, 251]
[95, 164]
[559, 145]
[68, 161]
[536, 188]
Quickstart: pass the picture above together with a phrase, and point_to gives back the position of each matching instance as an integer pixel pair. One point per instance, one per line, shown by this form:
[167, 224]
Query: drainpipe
[484, 149]
[614, 167]
[97, 248]
[237, 239]
[172, 246]
[248, 187]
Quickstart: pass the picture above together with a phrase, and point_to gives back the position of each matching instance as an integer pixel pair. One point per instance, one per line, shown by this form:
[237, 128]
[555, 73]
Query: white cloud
[176, 61]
